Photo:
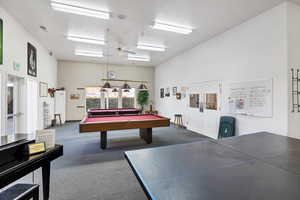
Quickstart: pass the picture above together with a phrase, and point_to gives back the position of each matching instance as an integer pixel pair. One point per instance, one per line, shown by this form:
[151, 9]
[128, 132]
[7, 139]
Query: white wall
[293, 31]
[15, 50]
[73, 75]
[254, 50]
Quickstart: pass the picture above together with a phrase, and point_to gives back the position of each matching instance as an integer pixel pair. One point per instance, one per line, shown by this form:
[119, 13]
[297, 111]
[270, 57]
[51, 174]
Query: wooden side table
[178, 120]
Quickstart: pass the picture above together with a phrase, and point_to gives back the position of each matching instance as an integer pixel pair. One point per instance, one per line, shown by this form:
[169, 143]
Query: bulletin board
[253, 98]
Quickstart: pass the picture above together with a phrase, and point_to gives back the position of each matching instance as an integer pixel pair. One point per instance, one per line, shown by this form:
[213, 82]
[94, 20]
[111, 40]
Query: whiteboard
[253, 98]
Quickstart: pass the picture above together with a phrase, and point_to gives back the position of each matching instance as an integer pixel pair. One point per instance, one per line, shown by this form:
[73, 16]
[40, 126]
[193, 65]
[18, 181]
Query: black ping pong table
[260, 166]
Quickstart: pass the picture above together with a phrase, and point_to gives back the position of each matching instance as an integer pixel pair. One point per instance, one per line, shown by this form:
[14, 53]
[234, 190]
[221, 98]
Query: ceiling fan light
[126, 86]
[115, 90]
[143, 87]
[107, 85]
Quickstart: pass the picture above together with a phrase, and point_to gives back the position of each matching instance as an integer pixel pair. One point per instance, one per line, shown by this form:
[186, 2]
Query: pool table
[109, 112]
[108, 123]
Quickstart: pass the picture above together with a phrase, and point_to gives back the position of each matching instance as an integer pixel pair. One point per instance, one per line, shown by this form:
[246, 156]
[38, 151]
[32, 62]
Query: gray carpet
[86, 172]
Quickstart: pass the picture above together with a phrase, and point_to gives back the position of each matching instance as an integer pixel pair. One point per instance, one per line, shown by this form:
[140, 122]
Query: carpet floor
[86, 172]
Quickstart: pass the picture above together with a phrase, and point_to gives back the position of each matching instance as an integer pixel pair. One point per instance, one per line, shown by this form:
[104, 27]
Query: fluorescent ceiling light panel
[150, 47]
[172, 27]
[79, 10]
[139, 58]
[86, 40]
[98, 54]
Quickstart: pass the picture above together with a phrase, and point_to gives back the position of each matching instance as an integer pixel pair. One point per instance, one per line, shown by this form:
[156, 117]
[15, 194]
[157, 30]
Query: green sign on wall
[1, 42]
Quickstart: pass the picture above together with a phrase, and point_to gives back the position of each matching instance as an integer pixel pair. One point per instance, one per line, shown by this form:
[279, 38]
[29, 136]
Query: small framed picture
[74, 96]
[174, 91]
[43, 89]
[167, 92]
[184, 92]
[162, 93]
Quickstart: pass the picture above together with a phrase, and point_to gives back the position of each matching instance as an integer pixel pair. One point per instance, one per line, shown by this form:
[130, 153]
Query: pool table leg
[146, 134]
[103, 139]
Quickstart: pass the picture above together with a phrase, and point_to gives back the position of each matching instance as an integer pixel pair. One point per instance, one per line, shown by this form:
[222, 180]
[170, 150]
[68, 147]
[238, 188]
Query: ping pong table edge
[139, 178]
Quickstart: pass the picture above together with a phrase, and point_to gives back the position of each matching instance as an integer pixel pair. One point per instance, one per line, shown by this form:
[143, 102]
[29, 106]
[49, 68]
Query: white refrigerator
[60, 105]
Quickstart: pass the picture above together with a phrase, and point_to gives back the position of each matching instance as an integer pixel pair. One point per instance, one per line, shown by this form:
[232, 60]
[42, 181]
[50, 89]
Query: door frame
[19, 109]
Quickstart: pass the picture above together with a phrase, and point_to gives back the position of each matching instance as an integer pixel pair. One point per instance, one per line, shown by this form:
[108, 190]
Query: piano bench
[21, 192]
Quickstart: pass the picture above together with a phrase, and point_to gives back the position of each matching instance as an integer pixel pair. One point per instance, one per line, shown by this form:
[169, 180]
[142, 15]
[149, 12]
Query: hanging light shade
[115, 90]
[107, 85]
[142, 87]
[103, 90]
[126, 86]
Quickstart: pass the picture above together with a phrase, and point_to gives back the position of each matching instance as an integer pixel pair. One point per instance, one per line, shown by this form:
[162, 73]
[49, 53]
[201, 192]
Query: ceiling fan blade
[130, 52]
[108, 55]
[125, 51]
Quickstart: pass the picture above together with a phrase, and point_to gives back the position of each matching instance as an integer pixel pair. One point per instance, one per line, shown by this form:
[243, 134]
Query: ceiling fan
[120, 49]
[123, 50]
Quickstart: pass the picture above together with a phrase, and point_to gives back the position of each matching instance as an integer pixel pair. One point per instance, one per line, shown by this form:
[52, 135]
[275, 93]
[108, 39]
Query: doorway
[14, 111]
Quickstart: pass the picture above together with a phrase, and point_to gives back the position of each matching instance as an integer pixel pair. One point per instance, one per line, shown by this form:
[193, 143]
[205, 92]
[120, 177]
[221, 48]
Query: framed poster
[162, 92]
[167, 92]
[1, 42]
[211, 102]
[75, 96]
[31, 60]
[194, 100]
[184, 92]
[43, 89]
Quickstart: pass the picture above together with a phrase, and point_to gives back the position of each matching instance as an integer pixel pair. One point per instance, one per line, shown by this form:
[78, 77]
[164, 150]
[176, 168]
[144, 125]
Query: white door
[32, 105]
[11, 109]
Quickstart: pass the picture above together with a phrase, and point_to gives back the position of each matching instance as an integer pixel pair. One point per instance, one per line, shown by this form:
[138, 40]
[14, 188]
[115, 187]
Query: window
[128, 98]
[109, 99]
[113, 99]
[93, 98]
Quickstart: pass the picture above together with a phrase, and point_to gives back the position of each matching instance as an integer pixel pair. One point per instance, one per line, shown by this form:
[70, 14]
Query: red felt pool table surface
[113, 110]
[121, 118]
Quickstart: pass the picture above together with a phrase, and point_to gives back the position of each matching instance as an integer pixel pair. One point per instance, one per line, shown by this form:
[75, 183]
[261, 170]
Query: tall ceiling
[207, 17]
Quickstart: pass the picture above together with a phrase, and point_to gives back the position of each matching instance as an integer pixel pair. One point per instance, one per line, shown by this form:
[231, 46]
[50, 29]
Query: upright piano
[15, 163]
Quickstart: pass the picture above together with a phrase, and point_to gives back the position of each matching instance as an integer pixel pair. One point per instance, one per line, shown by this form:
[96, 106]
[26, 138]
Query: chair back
[227, 127]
